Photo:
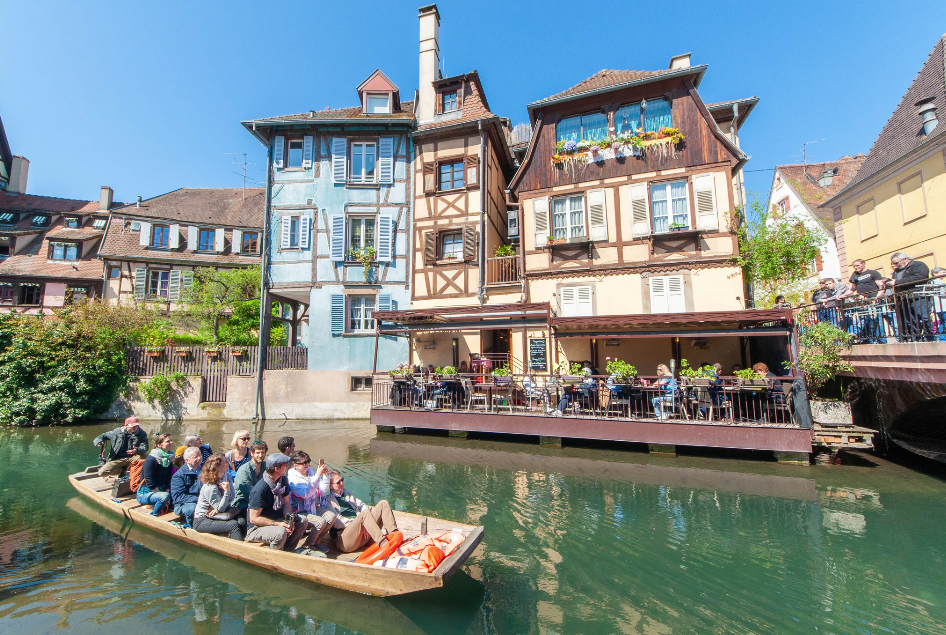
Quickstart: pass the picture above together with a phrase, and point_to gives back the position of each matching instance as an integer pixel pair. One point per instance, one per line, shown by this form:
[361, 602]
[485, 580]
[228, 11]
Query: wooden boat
[337, 570]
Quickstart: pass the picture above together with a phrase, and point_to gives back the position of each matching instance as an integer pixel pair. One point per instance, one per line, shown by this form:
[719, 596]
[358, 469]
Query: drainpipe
[735, 140]
[481, 293]
[263, 304]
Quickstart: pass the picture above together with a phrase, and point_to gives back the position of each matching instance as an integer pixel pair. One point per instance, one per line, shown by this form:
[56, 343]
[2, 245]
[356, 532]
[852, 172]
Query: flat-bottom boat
[337, 569]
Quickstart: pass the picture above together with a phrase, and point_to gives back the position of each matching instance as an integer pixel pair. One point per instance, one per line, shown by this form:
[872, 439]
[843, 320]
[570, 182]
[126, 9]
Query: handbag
[227, 515]
[121, 488]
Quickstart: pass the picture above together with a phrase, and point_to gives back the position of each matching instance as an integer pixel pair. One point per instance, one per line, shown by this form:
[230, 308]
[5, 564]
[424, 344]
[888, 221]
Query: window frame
[116, 270]
[456, 167]
[71, 222]
[287, 163]
[11, 244]
[243, 242]
[456, 237]
[364, 144]
[45, 218]
[349, 232]
[70, 297]
[581, 133]
[35, 288]
[212, 232]
[65, 246]
[569, 226]
[669, 200]
[99, 223]
[387, 103]
[367, 323]
[295, 230]
[455, 93]
[8, 289]
[360, 383]
[149, 283]
[166, 231]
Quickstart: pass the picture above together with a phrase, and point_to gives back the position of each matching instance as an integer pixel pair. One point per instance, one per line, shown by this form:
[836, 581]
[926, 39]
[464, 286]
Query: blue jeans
[158, 499]
[941, 330]
[187, 512]
[663, 399]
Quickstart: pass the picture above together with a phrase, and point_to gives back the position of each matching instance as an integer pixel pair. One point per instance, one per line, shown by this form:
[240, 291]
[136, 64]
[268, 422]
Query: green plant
[696, 373]
[159, 388]
[747, 373]
[447, 371]
[621, 369]
[677, 226]
[504, 250]
[401, 370]
[819, 355]
[502, 371]
[365, 257]
[576, 369]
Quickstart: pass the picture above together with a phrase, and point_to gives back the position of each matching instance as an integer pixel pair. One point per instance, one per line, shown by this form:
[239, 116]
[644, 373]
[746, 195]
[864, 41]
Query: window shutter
[705, 192]
[540, 221]
[384, 301]
[218, 240]
[430, 248]
[386, 160]
[337, 239]
[469, 243]
[430, 178]
[187, 284]
[192, 233]
[676, 303]
[567, 302]
[438, 104]
[307, 152]
[144, 237]
[174, 240]
[304, 222]
[472, 171]
[285, 232]
[583, 301]
[174, 286]
[141, 275]
[659, 302]
[640, 211]
[338, 313]
[597, 215]
[339, 158]
[237, 245]
[385, 238]
[279, 149]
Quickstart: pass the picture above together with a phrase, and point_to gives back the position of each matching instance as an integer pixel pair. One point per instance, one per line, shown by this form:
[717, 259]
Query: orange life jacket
[426, 561]
[375, 552]
[134, 473]
[449, 541]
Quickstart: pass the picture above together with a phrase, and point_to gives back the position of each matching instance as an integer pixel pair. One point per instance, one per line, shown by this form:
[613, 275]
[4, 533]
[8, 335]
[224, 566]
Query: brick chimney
[105, 198]
[429, 62]
[19, 171]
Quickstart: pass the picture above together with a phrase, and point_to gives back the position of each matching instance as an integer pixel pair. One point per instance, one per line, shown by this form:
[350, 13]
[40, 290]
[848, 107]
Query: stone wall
[297, 394]
[185, 403]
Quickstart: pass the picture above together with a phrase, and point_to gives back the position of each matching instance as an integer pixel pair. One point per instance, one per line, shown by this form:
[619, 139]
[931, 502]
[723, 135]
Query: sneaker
[556, 413]
[321, 548]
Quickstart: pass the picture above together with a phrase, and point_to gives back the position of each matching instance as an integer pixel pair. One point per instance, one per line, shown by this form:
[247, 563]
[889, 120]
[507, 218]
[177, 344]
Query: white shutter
[304, 232]
[141, 275]
[339, 158]
[386, 160]
[337, 239]
[144, 237]
[218, 240]
[705, 191]
[192, 233]
[285, 232]
[385, 238]
[658, 295]
[307, 152]
[675, 298]
[568, 302]
[640, 210]
[337, 313]
[279, 149]
[237, 245]
[174, 286]
[175, 239]
[583, 301]
[187, 284]
[597, 215]
[540, 221]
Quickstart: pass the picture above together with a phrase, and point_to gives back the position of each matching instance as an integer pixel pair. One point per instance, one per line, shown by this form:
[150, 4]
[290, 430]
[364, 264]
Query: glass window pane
[295, 154]
[659, 208]
[458, 175]
[445, 177]
[58, 251]
[657, 115]
[594, 126]
[378, 104]
[628, 118]
[357, 162]
[369, 232]
[294, 232]
[559, 222]
[71, 252]
[356, 234]
[369, 161]
[568, 129]
[678, 196]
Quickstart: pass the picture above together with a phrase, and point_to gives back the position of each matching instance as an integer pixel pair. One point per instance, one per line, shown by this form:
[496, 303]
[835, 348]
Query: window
[627, 119]
[575, 301]
[160, 236]
[666, 294]
[568, 217]
[867, 219]
[40, 220]
[72, 222]
[7, 217]
[450, 101]
[293, 242]
[250, 243]
[295, 154]
[136, 226]
[783, 205]
[77, 295]
[588, 127]
[363, 158]
[378, 104]
[912, 198]
[360, 384]
[64, 251]
[158, 282]
[114, 273]
[451, 176]
[6, 293]
[670, 206]
[205, 239]
[451, 246]
[361, 232]
[99, 223]
[6, 246]
[657, 114]
[360, 308]
[31, 294]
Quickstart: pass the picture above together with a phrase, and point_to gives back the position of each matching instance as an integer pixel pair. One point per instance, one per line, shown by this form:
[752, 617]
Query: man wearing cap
[127, 441]
[269, 506]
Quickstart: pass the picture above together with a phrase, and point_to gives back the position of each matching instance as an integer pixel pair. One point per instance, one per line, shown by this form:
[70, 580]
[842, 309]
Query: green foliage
[747, 373]
[159, 388]
[504, 250]
[576, 368]
[819, 357]
[695, 373]
[621, 369]
[446, 371]
[365, 257]
[502, 371]
[224, 306]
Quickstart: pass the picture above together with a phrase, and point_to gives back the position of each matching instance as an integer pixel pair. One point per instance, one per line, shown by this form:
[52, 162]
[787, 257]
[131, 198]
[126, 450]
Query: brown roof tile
[33, 262]
[223, 207]
[474, 107]
[121, 243]
[605, 78]
[406, 111]
[803, 178]
[13, 202]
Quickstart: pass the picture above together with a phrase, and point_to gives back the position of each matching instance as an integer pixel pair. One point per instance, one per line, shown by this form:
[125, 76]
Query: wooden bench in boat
[337, 570]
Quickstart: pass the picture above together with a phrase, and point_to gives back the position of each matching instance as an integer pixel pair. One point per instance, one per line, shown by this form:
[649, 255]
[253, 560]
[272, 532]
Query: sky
[147, 97]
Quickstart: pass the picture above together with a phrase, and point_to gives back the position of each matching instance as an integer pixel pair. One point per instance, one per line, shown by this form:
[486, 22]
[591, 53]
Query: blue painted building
[339, 226]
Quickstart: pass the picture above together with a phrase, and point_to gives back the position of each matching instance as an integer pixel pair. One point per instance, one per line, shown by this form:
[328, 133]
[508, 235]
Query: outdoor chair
[473, 398]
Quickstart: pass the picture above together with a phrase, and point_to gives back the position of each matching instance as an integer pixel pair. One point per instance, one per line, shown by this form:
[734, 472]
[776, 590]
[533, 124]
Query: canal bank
[577, 540]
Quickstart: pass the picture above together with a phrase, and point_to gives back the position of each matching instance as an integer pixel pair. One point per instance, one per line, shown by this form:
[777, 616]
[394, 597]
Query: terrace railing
[503, 270]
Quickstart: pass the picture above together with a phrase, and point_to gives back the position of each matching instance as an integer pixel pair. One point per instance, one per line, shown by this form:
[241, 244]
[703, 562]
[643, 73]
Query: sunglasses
[341, 480]
[245, 438]
[304, 463]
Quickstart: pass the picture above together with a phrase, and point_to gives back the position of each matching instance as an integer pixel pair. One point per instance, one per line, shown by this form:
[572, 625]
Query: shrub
[819, 356]
[159, 388]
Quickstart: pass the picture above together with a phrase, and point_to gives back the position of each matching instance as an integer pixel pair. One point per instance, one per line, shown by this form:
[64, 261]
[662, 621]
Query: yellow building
[897, 200]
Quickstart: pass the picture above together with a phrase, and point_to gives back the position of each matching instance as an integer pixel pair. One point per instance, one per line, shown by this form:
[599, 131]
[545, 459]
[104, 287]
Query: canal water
[578, 540]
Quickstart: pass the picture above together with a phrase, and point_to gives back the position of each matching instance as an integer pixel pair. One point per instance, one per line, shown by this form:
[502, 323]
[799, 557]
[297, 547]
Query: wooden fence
[213, 365]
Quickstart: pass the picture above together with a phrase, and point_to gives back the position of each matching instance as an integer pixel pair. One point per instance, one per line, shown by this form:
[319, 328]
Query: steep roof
[474, 107]
[607, 79]
[403, 110]
[33, 262]
[13, 202]
[230, 207]
[803, 179]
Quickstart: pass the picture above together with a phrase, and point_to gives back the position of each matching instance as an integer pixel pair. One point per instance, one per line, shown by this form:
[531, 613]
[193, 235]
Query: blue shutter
[339, 159]
[278, 151]
[386, 236]
[307, 152]
[304, 232]
[337, 239]
[384, 301]
[338, 313]
[386, 160]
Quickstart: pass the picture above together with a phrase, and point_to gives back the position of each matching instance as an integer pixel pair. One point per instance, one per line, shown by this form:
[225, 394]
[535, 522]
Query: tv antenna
[804, 150]
[243, 165]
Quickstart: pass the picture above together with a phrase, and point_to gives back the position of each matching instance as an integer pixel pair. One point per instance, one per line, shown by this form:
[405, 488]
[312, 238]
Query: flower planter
[238, 354]
[181, 352]
[154, 353]
[831, 414]
[210, 353]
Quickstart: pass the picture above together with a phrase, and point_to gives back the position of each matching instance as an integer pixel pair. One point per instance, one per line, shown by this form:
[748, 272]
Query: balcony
[503, 270]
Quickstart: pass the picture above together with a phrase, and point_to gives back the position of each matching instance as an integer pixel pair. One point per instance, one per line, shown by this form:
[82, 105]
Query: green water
[578, 540]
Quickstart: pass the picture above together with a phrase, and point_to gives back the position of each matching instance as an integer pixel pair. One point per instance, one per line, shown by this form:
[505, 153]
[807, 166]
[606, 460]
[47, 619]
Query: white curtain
[659, 208]
[568, 130]
[657, 115]
[627, 118]
[678, 196]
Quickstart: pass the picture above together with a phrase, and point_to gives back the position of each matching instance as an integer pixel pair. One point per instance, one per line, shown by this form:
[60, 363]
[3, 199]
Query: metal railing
[503, 270]
[727, 400]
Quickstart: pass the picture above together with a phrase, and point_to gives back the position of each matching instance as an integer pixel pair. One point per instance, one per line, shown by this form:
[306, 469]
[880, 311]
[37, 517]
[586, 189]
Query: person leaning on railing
[827, 298]
[863, 323]
[939, 301]
[914, 312]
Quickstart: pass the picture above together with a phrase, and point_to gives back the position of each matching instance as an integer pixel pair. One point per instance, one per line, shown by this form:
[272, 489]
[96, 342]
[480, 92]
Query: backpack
[134, 473]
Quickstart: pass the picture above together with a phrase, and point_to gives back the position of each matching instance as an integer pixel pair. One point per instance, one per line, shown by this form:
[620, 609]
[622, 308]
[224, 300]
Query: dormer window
[72, 222]
[99, 223]
[7, 217]
[40, 220]
[451, 101]
[378, 104]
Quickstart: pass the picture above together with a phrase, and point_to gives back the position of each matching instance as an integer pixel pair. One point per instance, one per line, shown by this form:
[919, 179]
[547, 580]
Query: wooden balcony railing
[503, 270]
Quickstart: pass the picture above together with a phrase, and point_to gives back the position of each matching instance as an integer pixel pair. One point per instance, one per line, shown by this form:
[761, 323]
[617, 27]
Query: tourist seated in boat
[240, 453]
[286, 445]
[269, 515]
[155, 488]
[249, 474]
[356, 523]
[215, 512]
[194, 441]
[667, 391]
[309, 490]
[185, 485]
[581, 393]
[127, 442]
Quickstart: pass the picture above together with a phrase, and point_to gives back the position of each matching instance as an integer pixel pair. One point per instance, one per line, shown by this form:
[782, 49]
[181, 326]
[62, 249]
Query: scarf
[163, 458]
[277, 489]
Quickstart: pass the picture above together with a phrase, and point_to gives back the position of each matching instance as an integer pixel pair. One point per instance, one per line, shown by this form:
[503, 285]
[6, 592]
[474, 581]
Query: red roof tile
[605, 78]
[473, 108]
[223, 207]
[33, 262]
[406, 111]
[803, 178]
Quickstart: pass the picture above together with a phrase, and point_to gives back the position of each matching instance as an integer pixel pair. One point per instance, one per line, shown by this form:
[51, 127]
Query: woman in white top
[240, 453]
[215, 512]
[308, 491]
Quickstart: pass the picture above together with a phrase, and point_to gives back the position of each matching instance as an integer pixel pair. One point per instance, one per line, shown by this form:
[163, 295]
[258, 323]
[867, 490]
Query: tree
[820, 356]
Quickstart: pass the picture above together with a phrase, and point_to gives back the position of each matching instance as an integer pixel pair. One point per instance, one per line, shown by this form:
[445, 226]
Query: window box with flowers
[238, 352]
[211, 352]
[664, 142]
[182, 352]
[154, 351]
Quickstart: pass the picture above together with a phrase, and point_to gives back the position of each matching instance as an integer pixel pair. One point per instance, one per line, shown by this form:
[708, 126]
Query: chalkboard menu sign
[537, 358]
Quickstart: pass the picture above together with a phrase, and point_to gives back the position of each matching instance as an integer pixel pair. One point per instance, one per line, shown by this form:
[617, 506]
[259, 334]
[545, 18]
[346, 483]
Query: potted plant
[577, 373]
[820, 360]
[401, 371]
[448, 371]
[695, 376]
[623, 372]
[365, 257]
[502, 374]
[501, 251]
[749, 377]
[211, 351]
[154, 351]
[238, 351]
[677, 227]
[182, 352]
[551, 240]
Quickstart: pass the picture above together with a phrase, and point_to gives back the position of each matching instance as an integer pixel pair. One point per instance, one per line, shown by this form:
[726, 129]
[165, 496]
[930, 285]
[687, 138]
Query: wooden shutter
[279, 149]
[568, 302]
[192, 233]
[237, 245]
[307, 152]
[597, 215]
[174, 241]
[469, 243]
[144, 234]
[337, 239]
[705, 192]
[285, 232]
[676, 302]
[430, 248]
[540, 221]
[141, 276]
[658, 295]
[386, 160]
[583, 301]
[174, 286]
[472, 171]
[338, 313]
[187, 285]
[640, 210]
[219, 240]
[304, 232]
[339, 159]
[385, 238]
[430, 178]
[384, 301]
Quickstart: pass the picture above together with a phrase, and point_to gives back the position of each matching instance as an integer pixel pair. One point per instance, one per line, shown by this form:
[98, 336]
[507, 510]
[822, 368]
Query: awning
[750, 322]
[497, 316]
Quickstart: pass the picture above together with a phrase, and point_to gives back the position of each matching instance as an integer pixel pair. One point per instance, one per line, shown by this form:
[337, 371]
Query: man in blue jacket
[185, 486]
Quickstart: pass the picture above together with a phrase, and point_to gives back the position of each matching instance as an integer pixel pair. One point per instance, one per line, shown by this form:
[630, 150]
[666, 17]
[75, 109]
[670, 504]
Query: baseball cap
[276, 458]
